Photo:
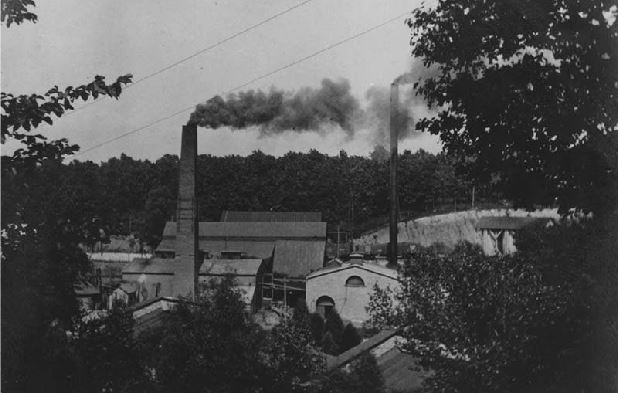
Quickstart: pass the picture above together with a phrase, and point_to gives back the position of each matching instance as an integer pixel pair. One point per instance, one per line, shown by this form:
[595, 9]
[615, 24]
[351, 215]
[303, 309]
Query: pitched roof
[356, 351]
[398, 370]
[510, 223]
[85, 289]
[396, 366]
[153, 313]
[371, 267]
[241, 267]
[240, 216]
[297, 258]
[255, 230]
[252, 248]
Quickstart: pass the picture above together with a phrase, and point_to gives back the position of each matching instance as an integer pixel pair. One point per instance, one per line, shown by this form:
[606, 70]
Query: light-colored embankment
[448, 229]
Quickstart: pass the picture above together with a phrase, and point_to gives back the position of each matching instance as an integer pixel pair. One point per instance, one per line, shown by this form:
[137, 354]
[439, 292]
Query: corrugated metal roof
[278, 230]
[510, 223]
[297, 258]
[397, 367]
[256, 239]
[243, 267]
[240, 216]
[252, 248]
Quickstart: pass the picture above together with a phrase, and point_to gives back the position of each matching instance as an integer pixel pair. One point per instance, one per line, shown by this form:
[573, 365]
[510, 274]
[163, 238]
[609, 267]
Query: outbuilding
[497, 232]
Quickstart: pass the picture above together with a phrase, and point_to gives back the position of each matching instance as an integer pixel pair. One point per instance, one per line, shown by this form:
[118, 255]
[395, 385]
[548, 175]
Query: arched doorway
[324, 305]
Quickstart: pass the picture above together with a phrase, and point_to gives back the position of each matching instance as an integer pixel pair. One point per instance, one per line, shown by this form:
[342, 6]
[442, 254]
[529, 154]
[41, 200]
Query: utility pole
[394, 213]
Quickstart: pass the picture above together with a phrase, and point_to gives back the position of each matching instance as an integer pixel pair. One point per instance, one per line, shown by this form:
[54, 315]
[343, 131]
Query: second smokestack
[394, 205]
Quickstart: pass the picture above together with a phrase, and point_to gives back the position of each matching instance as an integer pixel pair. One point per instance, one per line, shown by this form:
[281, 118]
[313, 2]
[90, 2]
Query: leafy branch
[23, 113]
[16, 11]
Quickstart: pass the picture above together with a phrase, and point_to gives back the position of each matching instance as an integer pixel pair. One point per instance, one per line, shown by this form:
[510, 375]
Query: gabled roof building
[255, 239]
[347, 288]
[284, 245]
[497, 232]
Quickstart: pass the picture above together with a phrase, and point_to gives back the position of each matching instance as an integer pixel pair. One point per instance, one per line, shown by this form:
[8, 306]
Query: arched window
[354, 281]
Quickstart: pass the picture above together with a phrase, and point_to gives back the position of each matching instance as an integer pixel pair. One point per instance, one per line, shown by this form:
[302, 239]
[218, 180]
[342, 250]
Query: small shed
[126, 293]
[88, 295]
[497, 232]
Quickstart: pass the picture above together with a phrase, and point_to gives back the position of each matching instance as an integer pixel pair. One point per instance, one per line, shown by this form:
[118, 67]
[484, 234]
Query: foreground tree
[214, 346]
[40, 255]
[523, 323]
[362, 376]
[528, 91]
[290, 354]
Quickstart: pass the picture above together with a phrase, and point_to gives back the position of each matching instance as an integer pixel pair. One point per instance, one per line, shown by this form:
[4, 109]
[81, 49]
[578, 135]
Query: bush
[334, 325]
[364, 377]
[491, 324]
[329, 345]
[316, 323]
[350, 337]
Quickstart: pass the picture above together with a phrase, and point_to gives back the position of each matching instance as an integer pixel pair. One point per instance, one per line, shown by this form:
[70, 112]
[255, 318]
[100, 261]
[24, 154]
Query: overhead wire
[245, 84]
[202, 51]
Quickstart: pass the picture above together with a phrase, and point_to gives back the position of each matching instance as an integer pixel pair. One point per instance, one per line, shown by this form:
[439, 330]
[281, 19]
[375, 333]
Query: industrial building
[268, 253]
[347, 287]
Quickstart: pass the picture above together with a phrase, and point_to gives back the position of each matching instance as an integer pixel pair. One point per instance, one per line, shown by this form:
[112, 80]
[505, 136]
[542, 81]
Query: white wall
[350, 302]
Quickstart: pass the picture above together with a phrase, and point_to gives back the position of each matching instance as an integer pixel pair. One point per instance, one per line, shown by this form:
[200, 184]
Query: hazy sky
[75, 40]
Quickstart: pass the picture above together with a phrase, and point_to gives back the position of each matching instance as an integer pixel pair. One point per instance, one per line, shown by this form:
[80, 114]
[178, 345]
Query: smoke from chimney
[328, 107]
[274, 112]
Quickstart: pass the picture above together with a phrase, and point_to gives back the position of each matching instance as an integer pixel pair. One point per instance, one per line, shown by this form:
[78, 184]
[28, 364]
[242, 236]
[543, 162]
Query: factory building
[347, 287]
[268, 254]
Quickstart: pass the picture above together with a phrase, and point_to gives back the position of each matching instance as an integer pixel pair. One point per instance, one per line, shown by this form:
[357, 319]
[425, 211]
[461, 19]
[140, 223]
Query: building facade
[498, 232]
[347, 289]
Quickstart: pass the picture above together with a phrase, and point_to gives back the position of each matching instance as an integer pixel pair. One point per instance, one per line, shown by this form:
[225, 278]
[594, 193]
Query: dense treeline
[124, 195]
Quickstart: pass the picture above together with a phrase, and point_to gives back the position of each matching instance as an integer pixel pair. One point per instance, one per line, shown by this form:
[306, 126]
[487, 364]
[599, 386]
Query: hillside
[448, 229]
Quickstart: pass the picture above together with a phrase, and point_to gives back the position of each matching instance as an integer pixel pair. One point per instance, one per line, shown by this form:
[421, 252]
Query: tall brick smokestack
[187, 228]
[394, 125]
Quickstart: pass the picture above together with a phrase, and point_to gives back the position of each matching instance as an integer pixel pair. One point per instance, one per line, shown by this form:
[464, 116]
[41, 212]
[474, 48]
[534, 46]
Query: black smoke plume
[277, 111]
[317, 109]
[412, 107]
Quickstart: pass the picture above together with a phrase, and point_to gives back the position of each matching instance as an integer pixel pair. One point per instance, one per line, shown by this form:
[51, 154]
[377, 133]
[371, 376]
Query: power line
[204, 50]
[263, 76]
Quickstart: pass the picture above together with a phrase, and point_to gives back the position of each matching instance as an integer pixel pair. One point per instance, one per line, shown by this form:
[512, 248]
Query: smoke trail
[377, 113]
[317, 109]
[276, 111]
[411, 107]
